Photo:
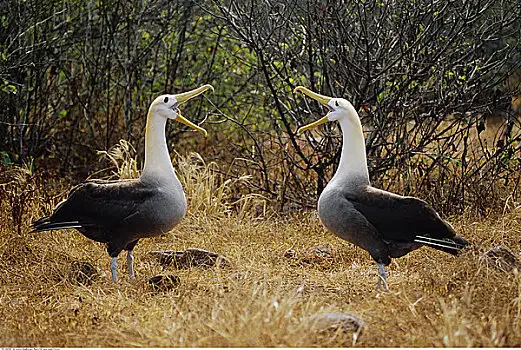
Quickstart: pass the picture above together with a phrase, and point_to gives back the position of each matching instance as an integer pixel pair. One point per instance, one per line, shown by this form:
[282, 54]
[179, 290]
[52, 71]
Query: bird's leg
[382, 279]
[113, 267]
[130, 263]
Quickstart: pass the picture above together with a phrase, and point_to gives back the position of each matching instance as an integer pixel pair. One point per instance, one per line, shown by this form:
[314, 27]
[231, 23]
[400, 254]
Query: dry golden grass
[263, 298]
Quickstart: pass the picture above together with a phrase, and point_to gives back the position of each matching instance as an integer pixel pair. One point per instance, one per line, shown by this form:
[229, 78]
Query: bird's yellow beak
[324, 100]
[312, 125]
[185, 121]
[185, 96]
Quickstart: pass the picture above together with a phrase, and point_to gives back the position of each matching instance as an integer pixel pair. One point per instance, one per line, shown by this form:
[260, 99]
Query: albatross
[384, 224]
[119, 213]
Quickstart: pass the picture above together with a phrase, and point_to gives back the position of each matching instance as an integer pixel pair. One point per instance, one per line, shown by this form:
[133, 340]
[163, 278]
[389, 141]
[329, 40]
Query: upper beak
[324, 100]
[185, 96]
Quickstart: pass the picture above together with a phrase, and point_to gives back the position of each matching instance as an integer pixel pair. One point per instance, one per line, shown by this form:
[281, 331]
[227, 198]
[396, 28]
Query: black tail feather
[449, 245]
[45, 224]
[41, 221]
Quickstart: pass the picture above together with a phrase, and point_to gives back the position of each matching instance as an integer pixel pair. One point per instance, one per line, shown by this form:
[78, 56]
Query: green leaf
[4, 158]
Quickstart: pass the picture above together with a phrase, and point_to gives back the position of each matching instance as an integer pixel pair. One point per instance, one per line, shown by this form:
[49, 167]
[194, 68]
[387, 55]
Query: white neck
[158, 164]
[353, 160]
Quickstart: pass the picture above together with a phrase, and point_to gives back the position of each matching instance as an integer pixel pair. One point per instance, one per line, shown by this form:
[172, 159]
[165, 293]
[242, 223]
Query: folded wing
[406, 219]
[96, 208]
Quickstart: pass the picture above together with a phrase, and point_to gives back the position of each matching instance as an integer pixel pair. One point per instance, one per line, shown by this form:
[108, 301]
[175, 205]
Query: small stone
[289, 253]
[192, 257]
[322, 251]
[503, 259]
[318, 254]
[82, 273]
[333, 321]
[164, 283]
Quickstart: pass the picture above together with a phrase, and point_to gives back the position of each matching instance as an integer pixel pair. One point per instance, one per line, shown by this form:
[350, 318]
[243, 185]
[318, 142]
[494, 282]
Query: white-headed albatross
[119, 213]
[385, 224]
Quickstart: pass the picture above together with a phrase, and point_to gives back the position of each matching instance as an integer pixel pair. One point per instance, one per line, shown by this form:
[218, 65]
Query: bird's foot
[113, 268]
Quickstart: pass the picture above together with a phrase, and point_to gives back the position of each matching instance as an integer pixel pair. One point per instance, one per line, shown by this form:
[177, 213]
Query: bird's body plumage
[383, 223]
[120, 212]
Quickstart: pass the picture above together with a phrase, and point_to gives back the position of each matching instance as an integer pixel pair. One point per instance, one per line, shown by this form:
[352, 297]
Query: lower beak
[185, 96]
[312, 125]
[185, 121]
[324, 100]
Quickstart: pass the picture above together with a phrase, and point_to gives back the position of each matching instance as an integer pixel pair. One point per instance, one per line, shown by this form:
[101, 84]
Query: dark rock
[289, 253]
[164, 283]
[503, 259]
[82, 273]
[319, 255]
[322, 251]
[191, 257]
[315, 253]
[333, 321]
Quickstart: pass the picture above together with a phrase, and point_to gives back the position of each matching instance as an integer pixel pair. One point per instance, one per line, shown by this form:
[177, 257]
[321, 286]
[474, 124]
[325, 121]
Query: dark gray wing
[102, 207]
[399, 218]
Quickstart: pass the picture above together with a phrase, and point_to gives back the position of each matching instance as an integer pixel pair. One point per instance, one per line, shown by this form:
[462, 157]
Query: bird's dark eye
[336, 103]
[166, 99]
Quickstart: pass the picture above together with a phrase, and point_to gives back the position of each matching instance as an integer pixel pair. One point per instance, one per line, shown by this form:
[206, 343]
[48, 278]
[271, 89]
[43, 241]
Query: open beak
[185, 96]
[324, 100]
